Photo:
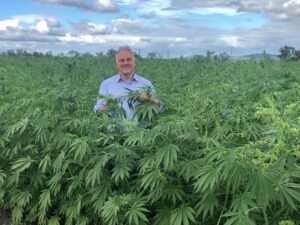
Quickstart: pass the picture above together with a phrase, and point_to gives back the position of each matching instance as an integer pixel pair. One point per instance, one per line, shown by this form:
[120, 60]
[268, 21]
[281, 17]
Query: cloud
[30, 28]
[273, 9]
[183, 4]
[117, 39]
[126, 26]
[128, 2]
[42, 26]
[231, 40]
[83, 39]
[289, 10]
[25, 35]
[86, 27]
[180, 39]
[122, 25]
[215, 10]
[179, 9]
[10, 23]
[105, 6]
[97, 5]
[178, 27]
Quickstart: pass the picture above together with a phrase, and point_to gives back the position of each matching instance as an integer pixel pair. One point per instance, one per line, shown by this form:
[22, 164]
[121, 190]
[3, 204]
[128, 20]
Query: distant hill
[253, 56]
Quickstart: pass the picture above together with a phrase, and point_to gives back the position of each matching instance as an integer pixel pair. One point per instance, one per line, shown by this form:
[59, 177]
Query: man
[119, 85]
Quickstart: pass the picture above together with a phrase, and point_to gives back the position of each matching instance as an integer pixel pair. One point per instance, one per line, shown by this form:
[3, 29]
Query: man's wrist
[154, 100]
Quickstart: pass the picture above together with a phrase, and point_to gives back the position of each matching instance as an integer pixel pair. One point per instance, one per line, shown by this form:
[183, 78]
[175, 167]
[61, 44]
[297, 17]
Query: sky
[168, 28]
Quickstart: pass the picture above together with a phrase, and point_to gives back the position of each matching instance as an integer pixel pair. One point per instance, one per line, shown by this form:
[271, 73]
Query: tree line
[286, 52]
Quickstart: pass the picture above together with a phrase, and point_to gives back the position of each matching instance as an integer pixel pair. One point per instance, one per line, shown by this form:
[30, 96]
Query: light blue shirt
[115, 87]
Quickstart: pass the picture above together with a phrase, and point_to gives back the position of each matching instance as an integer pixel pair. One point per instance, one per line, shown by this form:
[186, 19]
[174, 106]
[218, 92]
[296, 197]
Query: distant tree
[87, 54]
[49, 53]
[11, 52]
[22, 52]
[111, 53]
[209, 54]
[265, 55]
[61, 55]
[99, 54]
[73, 53]
[198, 57]
[151, 55]
[287, 53]
[222, 56]
[37, 54]
[137, 56]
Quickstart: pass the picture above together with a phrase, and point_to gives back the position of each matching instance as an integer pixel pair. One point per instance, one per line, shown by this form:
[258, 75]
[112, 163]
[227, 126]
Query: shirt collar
[135, 78]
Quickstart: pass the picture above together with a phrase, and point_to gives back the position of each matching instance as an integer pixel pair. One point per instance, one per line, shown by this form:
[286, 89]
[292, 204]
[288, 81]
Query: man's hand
[102, 109]
[144, 97]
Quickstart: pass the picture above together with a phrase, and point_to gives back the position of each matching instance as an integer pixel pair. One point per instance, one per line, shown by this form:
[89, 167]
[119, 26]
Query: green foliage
[224, 149]
[184, 215]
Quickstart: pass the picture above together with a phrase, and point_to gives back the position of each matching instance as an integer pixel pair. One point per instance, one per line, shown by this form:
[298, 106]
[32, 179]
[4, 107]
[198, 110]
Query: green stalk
[265, 216]
[223, 208]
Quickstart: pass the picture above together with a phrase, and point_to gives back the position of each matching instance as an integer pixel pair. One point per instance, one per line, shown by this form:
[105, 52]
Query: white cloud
[82, 39]
[97, 27]
[89, 28]
[35, 22]
[156, 4]
[215, 10]
[164, 8]
[39, 22]
[89, 39]
[97, 5]
[126, 25]
[29, 18]
[4, 24]
[291, 3]
[69, 38]
[181, 39]
[92, 39]
[159, 7]
[128, 2]
[32, 27]
[231, 40]
[273, 9]
[124, 22]
[42, 26]
[105, 5]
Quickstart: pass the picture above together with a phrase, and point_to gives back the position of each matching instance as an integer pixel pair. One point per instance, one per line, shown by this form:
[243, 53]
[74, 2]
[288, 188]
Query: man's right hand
[143, 97]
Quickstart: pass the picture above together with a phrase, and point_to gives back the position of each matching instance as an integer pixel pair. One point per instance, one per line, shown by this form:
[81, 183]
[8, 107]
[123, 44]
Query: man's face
[125, 63]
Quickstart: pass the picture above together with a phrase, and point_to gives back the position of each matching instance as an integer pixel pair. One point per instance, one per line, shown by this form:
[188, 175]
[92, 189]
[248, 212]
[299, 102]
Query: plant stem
[265, 216]
[225, 202]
